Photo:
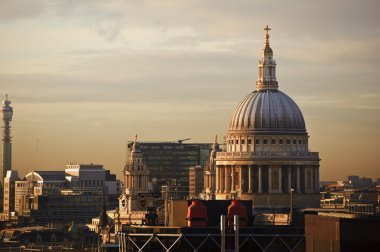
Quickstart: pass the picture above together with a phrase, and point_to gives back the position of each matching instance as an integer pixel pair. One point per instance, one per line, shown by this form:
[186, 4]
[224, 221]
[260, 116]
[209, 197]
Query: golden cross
[267, 29]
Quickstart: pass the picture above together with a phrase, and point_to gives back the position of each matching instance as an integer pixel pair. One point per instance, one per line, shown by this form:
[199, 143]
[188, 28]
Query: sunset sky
[85, 76]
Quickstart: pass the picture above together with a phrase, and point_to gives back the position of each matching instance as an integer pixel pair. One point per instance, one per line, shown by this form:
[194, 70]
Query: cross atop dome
[267, 66]
[267, 29]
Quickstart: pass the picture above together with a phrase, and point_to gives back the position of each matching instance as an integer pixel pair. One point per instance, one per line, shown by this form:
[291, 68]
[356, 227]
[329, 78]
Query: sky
[85, 76]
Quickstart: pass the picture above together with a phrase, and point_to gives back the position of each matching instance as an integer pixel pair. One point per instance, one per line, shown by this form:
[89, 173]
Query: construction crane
[182, 140]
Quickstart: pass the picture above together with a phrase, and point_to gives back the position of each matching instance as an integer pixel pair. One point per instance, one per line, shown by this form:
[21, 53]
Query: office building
[196, 180]
[170, 161]
[9, 192]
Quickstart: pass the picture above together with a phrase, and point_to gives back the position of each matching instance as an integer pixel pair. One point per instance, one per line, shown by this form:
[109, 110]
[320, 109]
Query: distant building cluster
[263, 173]
[75, 194]
[357, 195]
[358, 182]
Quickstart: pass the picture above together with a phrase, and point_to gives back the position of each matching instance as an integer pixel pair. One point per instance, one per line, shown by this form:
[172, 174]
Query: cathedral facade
[266, 158]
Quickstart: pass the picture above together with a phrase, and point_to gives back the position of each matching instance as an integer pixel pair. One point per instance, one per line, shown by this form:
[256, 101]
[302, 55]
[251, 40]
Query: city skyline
[85, 77]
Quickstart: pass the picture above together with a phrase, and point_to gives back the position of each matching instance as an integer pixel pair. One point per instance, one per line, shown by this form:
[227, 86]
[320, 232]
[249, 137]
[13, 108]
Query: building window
[273, 141]
[265, 141]
[242, 141]
[299, 141]
[257, 141]
[249, 141]
[287, 141]
[237, 141]
[294, 141]
[281, 141]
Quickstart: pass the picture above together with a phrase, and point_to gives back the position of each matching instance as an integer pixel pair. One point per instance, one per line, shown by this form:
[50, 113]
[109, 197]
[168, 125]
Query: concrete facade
[333, 232]
[9, 192]
[196, 181]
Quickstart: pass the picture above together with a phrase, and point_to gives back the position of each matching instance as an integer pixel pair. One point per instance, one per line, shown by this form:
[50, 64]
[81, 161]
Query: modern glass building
[170, 161]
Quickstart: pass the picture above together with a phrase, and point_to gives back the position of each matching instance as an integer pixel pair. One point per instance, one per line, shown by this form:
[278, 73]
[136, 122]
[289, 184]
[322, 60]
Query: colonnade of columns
[136, 181]
[209, 180]
[251, 179]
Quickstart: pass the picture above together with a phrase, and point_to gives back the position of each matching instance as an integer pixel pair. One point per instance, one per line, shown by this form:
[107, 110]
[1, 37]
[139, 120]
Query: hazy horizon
[85, 76]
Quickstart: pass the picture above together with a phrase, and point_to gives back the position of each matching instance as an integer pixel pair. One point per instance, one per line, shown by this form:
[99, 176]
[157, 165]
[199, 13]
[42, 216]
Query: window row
[266, 141]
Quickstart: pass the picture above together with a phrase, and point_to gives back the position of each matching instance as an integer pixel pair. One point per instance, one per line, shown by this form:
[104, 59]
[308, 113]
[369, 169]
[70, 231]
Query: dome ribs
[269, 110]
[236, 112]
[251, 116]
[245, 116]
[243, 111]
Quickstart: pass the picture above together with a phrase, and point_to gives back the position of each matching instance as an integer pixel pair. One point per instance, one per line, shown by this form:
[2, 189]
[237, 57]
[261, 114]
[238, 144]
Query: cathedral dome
[266, 111]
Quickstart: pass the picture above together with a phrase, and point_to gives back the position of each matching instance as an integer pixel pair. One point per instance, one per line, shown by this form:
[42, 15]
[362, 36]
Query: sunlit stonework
[266, 153]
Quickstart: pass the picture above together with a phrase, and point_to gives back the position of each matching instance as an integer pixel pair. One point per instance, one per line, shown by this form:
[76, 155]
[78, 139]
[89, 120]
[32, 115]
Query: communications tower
[6, 116]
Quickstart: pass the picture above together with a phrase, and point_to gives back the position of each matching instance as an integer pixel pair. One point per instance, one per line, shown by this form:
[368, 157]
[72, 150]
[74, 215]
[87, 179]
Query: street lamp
[291, 206]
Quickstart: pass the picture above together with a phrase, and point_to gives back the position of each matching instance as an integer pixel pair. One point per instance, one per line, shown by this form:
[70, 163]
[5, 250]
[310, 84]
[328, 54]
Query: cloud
[21, 9]
[366, 107]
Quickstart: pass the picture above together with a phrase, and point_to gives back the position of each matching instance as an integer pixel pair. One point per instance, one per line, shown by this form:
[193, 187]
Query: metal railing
[210, 242]
[209, 239]
[250, 155]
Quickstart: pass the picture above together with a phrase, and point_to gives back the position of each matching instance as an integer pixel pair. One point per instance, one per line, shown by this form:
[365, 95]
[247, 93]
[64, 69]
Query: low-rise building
[74, 194]
[195, 181]
[9, 191]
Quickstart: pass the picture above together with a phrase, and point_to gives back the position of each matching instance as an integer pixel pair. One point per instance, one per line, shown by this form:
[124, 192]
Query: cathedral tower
[136, 178]
[209, 171]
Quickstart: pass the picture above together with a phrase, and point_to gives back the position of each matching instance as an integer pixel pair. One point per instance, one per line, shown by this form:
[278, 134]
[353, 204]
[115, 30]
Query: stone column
[317, 178]
[289, 178]
[250, 179]
[280, 179]
[260, 189]
[298, 179]
[306, 185]
[226, 175]
[208, 181]
[217, 179]
[241, 179]
[311, 179]
[232, 179]
[221, 181]
[204, 180]
[269, 179]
